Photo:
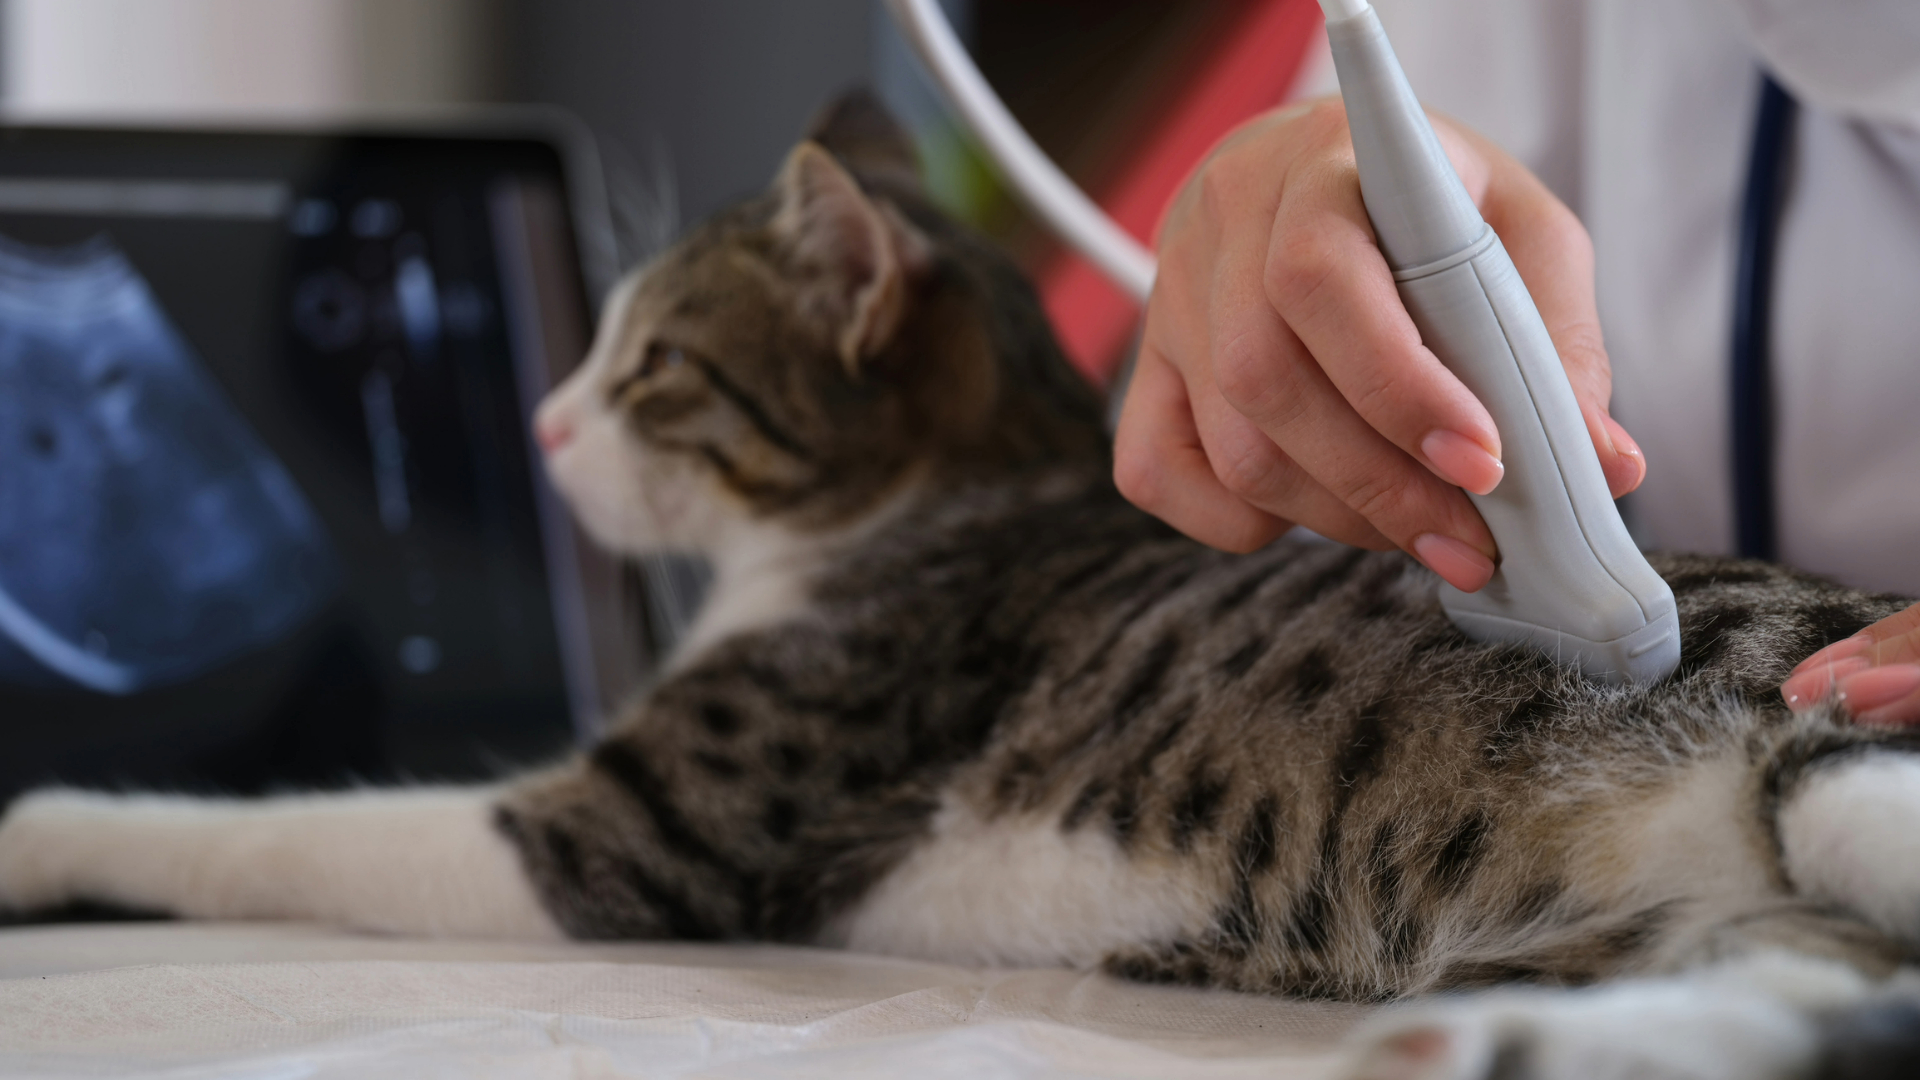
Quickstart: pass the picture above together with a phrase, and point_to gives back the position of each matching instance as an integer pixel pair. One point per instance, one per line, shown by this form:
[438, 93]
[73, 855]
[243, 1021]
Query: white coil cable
[1034, 176]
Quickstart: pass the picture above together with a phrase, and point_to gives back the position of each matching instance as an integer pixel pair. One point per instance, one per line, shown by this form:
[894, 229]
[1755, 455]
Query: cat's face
[744, 376]
[803, 358]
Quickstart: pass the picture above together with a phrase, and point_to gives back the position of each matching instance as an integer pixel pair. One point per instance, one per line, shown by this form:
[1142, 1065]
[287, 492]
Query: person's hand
[1280, 381]
[1875, 674]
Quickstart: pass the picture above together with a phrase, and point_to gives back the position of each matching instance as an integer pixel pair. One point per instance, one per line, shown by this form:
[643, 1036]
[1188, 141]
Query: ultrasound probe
[1570, 582]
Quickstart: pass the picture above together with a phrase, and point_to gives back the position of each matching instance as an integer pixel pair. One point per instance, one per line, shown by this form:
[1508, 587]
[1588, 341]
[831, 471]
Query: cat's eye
[660, 358]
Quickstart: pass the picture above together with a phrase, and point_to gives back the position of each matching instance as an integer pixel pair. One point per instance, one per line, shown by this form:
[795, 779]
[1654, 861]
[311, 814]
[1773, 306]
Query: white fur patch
[1020, 891]
[420, 861]
[1851, 836]
[760, 578]
[762, 571]
[1696, 838]
[626, 499]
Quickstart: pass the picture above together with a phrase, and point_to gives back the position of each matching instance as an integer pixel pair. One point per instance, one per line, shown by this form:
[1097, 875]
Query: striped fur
[954, 697]
[1018, 721]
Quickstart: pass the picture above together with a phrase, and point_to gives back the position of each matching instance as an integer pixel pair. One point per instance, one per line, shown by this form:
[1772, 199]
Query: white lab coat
[1639, 114]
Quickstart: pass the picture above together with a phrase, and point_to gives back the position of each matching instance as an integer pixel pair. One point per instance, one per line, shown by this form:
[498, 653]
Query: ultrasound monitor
[269, 510]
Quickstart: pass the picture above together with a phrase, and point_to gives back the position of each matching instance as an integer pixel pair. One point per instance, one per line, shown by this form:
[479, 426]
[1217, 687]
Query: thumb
[1620, 457]
[1556, 261]
[1574, 326]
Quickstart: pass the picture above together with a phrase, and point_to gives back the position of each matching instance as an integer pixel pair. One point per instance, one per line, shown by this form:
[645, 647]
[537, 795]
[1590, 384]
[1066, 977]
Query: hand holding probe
[1570, 581]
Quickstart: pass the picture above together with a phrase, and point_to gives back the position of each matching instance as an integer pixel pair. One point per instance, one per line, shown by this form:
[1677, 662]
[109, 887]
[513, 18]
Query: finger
[1242, 458]
[1354, 486]
[1896, 639]
[1874, 675]
[1887, 695]
[1291, 400]
[1160, 465]
[1893, 640]
[1869, 672]
[1818, 681]
[1248, 464]
[1328, 281]
[1625, 466]
[1854, 647]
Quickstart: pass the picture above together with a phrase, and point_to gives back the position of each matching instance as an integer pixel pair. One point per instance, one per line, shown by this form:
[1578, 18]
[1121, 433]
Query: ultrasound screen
[268, 510]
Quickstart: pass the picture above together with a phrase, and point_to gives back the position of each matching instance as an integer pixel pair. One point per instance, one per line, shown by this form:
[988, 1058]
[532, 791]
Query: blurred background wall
[706, 95]
[717, 88]
[694, 102]
[162, 58]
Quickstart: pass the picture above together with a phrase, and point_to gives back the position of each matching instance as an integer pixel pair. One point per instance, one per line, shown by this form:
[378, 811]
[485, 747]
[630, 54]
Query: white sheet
[284, 1002]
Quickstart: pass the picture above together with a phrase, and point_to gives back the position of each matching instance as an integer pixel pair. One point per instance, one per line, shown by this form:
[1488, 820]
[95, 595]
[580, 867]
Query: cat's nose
[551, 430]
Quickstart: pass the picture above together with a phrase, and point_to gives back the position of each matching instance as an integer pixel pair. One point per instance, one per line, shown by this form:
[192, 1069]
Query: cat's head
[807, 355]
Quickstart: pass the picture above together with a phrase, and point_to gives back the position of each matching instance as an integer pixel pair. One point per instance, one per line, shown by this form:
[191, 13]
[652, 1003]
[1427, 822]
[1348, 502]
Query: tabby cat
[952, 697]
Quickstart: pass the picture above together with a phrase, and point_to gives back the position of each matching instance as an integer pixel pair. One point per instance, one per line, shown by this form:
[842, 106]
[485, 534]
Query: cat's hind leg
[1808, 985]
[1849, 827]
[1768, 1016]
[414, 861]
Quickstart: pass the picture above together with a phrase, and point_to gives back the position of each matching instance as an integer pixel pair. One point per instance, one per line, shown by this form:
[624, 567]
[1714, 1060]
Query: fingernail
[1810, 687]
[1627, 452]
[1462, 462]
[1622, 442]
[1836, 652]
[1463, 567]
[1880, 686]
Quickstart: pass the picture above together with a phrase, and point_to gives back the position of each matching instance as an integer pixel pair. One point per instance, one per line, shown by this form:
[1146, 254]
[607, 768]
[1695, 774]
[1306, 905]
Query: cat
[953, 697]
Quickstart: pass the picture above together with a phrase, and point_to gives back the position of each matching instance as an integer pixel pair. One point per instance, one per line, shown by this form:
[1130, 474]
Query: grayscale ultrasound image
[147, 534]
[269, 507]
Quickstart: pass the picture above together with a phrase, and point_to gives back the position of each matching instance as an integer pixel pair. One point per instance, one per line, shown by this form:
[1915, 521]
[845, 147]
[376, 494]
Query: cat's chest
[762, 580]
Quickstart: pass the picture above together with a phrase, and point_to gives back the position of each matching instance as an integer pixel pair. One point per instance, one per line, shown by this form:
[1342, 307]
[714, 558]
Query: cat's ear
[865, 252]
[859, 131]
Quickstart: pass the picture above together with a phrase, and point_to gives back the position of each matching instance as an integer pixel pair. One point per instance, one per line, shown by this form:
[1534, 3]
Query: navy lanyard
[1753, 417]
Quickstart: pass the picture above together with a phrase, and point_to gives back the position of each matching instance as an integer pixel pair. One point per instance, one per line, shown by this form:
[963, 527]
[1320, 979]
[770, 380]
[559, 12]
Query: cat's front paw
[43, 840]
[1712, 1027]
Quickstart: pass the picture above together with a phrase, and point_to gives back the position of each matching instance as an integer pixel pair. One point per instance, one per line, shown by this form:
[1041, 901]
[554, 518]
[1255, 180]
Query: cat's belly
[1701, 837]
[1018, 890]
